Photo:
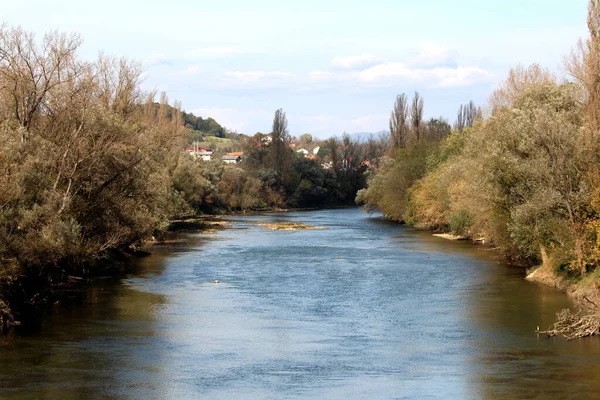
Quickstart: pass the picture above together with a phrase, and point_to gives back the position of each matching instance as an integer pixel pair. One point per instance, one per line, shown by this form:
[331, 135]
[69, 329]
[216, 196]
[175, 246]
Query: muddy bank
[585, 291]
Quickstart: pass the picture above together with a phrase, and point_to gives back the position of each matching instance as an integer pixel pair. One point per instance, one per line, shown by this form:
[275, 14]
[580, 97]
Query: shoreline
[581, 291]
[115, 263]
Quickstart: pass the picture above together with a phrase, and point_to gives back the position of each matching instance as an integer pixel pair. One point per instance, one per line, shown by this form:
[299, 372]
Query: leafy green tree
[437, 129]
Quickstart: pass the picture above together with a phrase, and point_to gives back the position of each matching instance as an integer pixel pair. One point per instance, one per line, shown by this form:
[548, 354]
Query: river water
[361, 309]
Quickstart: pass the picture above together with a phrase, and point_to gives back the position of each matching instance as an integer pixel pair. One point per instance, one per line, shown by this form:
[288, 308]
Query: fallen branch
[574, 325]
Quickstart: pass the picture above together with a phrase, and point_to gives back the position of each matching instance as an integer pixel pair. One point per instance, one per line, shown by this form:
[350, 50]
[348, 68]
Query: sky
[334, 66]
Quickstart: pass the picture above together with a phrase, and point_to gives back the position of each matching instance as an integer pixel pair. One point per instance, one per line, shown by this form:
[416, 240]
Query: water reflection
[361, 309]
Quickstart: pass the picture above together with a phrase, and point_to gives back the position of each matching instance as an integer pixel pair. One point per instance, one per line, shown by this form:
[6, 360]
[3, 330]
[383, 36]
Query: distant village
[309, 151]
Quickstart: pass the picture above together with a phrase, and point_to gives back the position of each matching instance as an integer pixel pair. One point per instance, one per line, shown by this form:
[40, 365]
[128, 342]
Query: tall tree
[467, 115]
[398, 122]
[416, 114]
[459, 125]
[279, 145]
[332, 148]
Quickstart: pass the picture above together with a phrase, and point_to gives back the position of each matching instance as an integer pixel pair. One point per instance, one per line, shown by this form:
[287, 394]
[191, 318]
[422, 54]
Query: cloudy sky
[332, 65]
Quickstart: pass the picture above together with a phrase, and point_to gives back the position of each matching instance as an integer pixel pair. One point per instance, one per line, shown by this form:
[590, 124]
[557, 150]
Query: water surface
[360, 309]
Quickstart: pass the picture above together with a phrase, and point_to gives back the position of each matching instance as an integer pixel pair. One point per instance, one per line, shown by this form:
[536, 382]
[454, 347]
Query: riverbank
[585, 291]
[27, 295]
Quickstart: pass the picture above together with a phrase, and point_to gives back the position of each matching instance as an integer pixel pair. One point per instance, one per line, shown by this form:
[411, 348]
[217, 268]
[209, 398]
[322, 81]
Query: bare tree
[459, 125]
[29, 73]
[416, 114]
[518, 79]
[398, 122]
[467, 115]
[470, 114]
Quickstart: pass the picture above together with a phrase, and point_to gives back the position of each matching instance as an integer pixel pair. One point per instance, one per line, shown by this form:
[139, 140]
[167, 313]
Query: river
[361, 309]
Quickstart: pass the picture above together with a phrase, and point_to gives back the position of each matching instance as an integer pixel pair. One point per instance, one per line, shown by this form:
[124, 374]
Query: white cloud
[434, 77]
[434, 66]
[355, 62]
[213, 51]
[246, 77]
[319, 75]
[158, 59]
[461, 76]
[370, 123]
[192, 70]
[432, 54]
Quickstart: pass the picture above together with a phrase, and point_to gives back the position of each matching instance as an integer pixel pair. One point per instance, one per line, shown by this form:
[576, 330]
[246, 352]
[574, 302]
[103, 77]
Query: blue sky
[332, 65]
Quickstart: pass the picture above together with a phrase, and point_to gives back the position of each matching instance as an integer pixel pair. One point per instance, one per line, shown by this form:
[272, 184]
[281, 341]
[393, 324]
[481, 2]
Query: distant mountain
[363, 137]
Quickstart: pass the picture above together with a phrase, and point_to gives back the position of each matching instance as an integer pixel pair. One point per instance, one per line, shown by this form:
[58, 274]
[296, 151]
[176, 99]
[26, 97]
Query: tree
[467, 115]
[280, 155]
[438, 128]
[398, 122]
[28, 73]
[416, 115]
[305, 139]
[332, 148]
[84, 162]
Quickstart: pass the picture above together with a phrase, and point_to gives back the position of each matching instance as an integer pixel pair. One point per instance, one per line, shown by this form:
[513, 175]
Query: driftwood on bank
[574, 325]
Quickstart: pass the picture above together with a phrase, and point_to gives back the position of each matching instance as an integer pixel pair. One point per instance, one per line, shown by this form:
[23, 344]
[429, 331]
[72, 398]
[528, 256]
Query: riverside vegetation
[91, 167]
[524, 174]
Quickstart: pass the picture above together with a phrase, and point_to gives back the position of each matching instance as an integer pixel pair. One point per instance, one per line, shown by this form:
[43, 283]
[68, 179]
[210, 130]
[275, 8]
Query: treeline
[526, 177]
[273, 175]
[198, 127]
[202, 127]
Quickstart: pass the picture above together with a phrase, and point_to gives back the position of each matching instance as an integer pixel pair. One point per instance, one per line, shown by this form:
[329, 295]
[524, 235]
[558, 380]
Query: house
[262, 138]
[303, 151]
[233, 158]
[203, 153]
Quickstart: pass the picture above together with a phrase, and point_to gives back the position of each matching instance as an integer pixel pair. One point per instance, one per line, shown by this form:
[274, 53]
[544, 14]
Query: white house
[303, 151]
[205, 155]
[233, 158]
[200, 152]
